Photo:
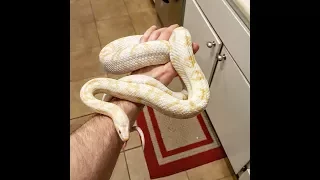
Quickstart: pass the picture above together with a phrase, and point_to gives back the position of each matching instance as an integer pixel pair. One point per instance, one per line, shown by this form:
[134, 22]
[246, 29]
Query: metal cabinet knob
[211, 44]
[221, 57]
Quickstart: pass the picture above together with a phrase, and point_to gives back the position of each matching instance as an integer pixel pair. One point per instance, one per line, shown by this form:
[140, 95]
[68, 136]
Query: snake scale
[127, 54]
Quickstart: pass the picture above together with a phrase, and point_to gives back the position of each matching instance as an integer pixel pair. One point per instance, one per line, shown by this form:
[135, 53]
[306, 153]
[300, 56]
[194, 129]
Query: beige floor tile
[178, 176]
[138, 5]
[81, 10]
[83, 35]
[117, 76]
[137, 166]
[134, 141]
[114, 28]
[78, 122]
[77, 107]
[120, 171]
[211, 171]
[106, 9]
[143, 20]
[84, 63]
[229, 178]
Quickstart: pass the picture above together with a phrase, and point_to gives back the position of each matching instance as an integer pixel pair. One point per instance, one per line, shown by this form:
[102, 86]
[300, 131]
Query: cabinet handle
[221, 58]
[211, 44]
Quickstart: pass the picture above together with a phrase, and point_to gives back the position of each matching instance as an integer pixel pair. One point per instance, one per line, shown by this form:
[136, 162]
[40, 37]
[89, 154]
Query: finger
[155, 34]
[165, 35]
[148, 32]
[195, 47]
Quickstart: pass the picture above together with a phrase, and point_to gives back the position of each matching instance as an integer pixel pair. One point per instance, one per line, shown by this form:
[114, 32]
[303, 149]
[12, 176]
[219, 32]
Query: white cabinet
[229, 104]
[231, 30]
[229, 110]
[202, 33]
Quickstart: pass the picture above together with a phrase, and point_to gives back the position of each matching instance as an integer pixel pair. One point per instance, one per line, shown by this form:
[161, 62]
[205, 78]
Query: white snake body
[126, 55]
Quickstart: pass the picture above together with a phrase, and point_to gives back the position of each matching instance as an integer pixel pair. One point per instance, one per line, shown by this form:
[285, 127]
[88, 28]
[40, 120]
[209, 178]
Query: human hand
[163, 73]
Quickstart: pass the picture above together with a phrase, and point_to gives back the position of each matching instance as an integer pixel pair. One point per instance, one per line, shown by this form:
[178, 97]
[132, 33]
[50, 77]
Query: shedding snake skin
[127, 54]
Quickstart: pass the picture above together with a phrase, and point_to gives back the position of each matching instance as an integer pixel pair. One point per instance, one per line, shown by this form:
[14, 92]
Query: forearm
[95, 147]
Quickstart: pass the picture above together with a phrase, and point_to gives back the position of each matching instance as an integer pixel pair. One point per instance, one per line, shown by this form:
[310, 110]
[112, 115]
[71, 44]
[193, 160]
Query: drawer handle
[221, 58]
[211, 44]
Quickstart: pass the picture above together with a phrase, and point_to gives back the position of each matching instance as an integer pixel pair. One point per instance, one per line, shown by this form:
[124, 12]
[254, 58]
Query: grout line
[135, 31]
[74, 81]
[187, 174]
[132, 148]
[225, 177]
[102, 75]
[83, 48]
[125, 159]
[95, 23]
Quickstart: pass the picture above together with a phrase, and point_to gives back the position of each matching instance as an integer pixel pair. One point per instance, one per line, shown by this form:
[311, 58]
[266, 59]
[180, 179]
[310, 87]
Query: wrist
[130, 108]
[100, 125]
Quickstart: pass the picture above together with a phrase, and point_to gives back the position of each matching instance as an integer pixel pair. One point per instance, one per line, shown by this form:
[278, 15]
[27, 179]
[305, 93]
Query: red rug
[175, 145]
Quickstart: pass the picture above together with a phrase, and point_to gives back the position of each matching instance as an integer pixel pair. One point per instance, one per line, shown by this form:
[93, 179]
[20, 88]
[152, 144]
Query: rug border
[162, 147]
[157, 171]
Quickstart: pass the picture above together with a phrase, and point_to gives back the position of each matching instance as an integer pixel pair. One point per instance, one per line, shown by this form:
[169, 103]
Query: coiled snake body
[126, 55]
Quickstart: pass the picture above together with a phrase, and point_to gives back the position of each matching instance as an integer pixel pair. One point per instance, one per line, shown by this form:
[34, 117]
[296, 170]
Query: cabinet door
[232, 31]
[229, 110]
[202, 33]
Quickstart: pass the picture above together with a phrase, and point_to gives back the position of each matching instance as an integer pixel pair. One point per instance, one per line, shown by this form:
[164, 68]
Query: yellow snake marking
[157, 96]
[173, 103]
[150, 91]
[180, 108]
[169, 92]
[139, 100]
[203, 93]
[116, 84]
[133, 50]
[154, 84]
[151, 83]
[188, 41]
[192, 105]
[146, 46]
[192, 59]
[197, 75]
[133, 86]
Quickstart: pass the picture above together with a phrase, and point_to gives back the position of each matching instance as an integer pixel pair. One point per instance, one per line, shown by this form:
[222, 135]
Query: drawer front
[232, 31]
[202, 33]
[229, 110]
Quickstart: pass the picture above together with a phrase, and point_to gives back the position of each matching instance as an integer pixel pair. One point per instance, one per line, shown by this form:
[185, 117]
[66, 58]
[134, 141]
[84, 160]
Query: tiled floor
[93, 24]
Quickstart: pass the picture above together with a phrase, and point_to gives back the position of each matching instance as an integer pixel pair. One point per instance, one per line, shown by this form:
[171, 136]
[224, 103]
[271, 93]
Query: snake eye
[119, 132]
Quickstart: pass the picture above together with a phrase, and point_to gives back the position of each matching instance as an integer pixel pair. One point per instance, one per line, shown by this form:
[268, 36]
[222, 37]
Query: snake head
[123, 131]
